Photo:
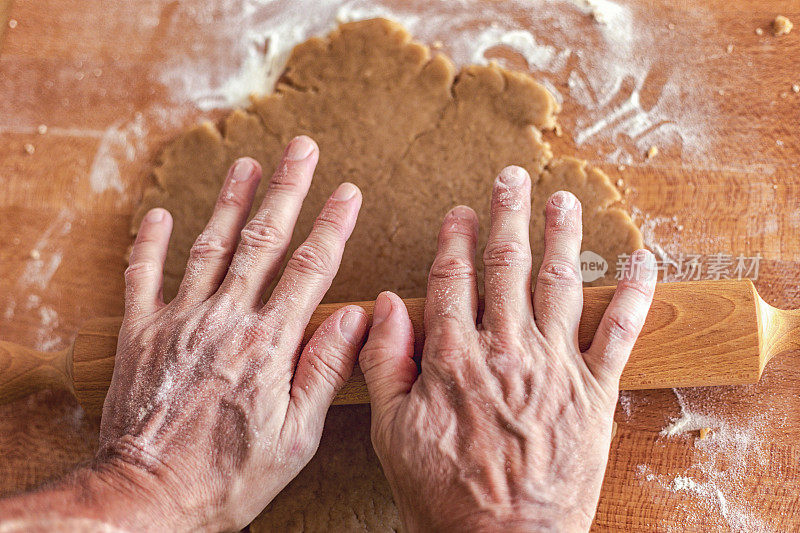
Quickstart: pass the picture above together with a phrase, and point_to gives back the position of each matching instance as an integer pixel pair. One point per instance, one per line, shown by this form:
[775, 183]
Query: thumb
[327, 361]
[387, 357]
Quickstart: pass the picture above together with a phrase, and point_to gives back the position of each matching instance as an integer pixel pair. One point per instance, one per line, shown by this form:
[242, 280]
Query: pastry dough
[418, 137]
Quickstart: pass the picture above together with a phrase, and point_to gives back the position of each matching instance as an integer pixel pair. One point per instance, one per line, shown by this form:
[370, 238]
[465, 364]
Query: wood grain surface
[92, 71]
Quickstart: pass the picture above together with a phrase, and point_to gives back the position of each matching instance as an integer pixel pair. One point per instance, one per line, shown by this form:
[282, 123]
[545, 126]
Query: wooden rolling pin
[697, 333]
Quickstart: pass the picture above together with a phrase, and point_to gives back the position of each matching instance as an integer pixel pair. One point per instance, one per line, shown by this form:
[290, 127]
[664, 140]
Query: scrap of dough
[418, 138]
[782, 25]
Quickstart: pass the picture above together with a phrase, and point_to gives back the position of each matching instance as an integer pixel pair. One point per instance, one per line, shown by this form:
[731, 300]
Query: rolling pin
[696, 333]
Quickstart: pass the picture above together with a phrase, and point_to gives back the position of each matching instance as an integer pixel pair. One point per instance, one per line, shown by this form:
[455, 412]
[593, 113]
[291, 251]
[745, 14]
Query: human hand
[213, 409]
[509, 424]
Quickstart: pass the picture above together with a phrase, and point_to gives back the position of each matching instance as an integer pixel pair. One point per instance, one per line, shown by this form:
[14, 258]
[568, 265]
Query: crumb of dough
[42, 129]
[620, 183]
[627, 190]
[614, 430]
[671, 26]
[759, 31]
[557, 130]
[12, 23]
[35, 255]
[796, 88]
[704, 433]
[729, 48]
[29, 148]
[782, 25]
[436, 45]
[652, 152]
[620, 167]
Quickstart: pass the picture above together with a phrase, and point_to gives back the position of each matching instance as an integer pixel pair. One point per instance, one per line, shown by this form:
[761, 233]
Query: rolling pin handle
[25, 370]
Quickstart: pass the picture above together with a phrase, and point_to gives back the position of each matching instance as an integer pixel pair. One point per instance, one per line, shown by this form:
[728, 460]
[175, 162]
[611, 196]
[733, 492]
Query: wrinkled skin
[213, 408]
[508, 426]
[203, 395]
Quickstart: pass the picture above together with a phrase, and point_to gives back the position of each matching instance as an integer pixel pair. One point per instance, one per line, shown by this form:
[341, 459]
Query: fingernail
[300, 148]
[462, 212]
[564, 200]
[154, 215]
[351, 326]
[382, 310]
[345, 191]
[643, 264]
[243, 170]
[512, 176]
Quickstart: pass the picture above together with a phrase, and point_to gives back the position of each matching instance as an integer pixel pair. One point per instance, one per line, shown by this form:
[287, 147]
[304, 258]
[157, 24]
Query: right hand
[508, 426]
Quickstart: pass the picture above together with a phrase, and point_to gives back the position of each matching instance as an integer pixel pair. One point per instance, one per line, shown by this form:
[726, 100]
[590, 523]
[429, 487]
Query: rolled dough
[418, 138]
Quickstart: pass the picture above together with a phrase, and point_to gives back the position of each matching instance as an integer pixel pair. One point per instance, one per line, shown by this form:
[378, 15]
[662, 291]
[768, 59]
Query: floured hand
[206, 416]
[508, 426]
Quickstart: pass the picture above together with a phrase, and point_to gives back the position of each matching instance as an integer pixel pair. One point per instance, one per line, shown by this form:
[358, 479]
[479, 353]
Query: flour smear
[601, 70]
[720, 466]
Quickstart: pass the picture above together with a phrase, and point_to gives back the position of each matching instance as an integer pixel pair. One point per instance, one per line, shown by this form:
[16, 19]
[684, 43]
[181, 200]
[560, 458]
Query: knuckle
[458, 226]
[620, 326]
[450, 359]
[558, 273]
[231, 200]
[642, 288]
[452, 267]
[286, 179]
[209, 245]
[450, 351]
[263, 234]
[330, 365]
[313, 259]
[264, 333]
[504, 253]
[331, 218]
[141, 270]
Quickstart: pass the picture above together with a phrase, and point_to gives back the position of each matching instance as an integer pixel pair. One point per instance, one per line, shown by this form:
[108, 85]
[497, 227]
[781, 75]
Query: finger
[623, 320]
[211, 253]
[452, 284]
[387, 357]
[558, 297]
[265, 239]
[327, 362]
[507, 257]
[313, 265]
[145, 273]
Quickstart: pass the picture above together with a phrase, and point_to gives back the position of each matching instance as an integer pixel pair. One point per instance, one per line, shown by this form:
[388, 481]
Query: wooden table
[715, 97]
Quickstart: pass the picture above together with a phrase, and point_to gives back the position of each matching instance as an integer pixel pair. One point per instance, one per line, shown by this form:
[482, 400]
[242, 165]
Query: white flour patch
[599, 51]
[120, 142]
[44, 258]
[720, 464]
[688, 419]
[46, 339]
[707, 496]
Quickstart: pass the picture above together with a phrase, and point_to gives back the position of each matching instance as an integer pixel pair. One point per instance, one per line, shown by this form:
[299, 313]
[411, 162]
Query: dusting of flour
[600, 69]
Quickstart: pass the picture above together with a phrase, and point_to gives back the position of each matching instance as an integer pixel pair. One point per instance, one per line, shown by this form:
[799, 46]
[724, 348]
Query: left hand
[213, 409]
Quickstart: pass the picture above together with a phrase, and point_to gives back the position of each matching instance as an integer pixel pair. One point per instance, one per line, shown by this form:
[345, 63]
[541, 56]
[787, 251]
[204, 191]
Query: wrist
[508, 520]
[134, 499]
[93, 498]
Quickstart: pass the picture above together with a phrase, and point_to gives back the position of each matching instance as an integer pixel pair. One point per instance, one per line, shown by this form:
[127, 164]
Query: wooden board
[729, 185]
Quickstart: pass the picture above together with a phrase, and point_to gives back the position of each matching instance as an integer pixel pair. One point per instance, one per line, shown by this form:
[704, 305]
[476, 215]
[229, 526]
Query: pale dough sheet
[418, 138]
